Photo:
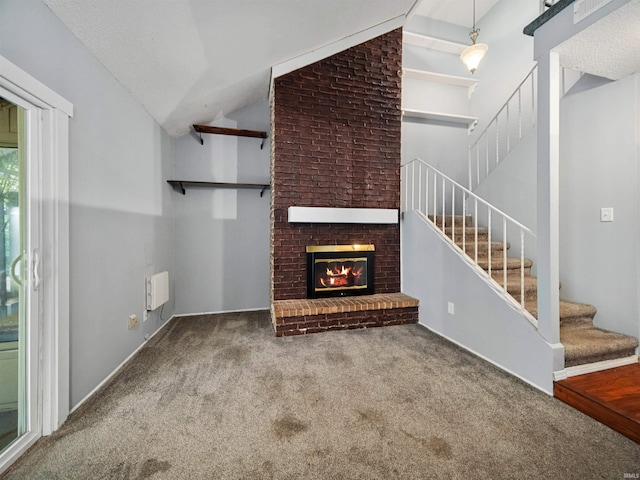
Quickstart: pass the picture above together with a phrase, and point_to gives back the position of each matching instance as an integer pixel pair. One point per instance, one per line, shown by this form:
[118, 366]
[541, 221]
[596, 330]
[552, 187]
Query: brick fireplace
[336, 143]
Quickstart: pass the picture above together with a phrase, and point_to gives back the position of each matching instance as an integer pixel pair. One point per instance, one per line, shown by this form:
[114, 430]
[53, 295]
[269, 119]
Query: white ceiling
[609, 48]
[457, 12]
[194, 61]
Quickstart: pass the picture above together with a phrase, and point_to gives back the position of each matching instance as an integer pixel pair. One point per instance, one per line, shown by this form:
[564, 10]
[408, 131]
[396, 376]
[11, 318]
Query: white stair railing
[439, 199]
[504, 131]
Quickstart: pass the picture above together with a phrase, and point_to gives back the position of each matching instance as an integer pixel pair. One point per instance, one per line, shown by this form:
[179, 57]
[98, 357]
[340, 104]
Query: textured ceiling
[457, 12]
[194, 61]
[609, 48]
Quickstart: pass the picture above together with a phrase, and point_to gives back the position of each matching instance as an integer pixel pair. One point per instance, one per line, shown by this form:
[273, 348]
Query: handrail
[434, 195]
[471, 194]
[506, 131]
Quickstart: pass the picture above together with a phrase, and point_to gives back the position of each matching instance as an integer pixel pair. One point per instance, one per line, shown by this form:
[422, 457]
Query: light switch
[606, 214]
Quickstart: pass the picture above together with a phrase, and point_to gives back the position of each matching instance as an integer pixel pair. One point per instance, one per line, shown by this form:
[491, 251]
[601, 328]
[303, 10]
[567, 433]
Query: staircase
[584, 343]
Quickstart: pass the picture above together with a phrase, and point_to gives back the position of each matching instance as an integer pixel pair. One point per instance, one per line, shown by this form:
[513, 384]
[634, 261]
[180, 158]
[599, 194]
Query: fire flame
[340, 276]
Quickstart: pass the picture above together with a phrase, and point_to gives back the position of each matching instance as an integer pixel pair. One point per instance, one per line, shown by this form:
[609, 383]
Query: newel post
[548, 197]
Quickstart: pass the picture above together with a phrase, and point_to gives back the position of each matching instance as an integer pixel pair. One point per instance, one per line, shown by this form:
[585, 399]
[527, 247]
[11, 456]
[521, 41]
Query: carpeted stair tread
[457, 219]
[483, 247]
[514, 285]
[573, 312]
[569, 311]
[498, 262]
[470, 232]
[585, 343]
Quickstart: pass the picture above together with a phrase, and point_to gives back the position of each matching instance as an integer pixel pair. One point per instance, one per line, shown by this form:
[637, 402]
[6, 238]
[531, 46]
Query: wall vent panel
[157, 290]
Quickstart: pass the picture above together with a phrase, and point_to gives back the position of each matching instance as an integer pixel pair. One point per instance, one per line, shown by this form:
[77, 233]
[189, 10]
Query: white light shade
[472, 55]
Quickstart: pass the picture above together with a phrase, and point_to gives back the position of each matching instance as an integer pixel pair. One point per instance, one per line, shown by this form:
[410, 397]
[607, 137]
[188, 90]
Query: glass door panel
[13, 415]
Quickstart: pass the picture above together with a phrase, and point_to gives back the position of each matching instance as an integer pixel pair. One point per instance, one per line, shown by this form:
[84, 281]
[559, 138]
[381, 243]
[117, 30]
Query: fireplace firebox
[340, 270]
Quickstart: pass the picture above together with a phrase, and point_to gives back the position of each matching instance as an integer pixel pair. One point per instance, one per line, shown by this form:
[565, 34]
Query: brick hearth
[298, 317]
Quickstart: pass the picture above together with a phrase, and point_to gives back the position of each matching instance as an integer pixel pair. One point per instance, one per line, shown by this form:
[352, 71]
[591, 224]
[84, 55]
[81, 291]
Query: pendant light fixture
[472, 55]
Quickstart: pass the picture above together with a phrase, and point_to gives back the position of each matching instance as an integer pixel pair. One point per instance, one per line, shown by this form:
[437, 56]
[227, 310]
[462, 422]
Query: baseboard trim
[510, 372]
[593, 367]
[119, 367]
[261, 309]
[124, 362]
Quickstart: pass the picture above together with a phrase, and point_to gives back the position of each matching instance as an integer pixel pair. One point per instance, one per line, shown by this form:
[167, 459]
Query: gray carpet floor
[217, 397]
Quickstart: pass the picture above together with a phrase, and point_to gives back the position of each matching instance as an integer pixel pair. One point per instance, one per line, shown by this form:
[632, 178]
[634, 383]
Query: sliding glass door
[18, 279]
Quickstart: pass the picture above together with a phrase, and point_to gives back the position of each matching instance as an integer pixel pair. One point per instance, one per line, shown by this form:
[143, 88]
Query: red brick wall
[336, 143]
[305, 324]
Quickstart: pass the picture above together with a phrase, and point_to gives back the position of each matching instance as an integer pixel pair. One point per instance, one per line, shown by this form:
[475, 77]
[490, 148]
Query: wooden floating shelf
[469, 122]
[179, 185]
[236, 132]
[468, 83]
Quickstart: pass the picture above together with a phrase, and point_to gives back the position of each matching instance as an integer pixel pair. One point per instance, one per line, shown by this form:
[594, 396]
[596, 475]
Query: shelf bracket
[261, 147]
[201, 139]
[184, 192]
[262, 191]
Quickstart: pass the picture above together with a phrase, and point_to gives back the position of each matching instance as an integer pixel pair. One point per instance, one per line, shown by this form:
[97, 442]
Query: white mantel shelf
[342, 215]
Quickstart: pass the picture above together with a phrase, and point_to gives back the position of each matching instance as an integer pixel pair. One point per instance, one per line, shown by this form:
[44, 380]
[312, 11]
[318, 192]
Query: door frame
[51, 154]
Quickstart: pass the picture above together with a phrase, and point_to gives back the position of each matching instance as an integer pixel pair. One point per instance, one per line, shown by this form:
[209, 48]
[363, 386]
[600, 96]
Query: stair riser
[530, 294]
[458, 220]
[470, 235]
[588, 321]
[483, 242]
[483, 249]
[612, 355]
[497, 273]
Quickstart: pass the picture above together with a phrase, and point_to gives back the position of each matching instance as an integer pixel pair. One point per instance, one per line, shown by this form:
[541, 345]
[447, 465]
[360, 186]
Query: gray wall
[222, 236]
[512, 188]
[121, 229]
[599, 168]
[482, 321]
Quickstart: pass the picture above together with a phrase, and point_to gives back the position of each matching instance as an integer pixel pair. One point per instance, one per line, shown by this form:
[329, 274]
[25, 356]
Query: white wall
[442, 146]
[121, 229]
[222, 235]
[599, 168]
[508, 60]
[482, 321]
[506, 64]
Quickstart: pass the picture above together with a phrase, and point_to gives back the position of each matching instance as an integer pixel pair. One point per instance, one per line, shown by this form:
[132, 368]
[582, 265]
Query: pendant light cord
[474, 14]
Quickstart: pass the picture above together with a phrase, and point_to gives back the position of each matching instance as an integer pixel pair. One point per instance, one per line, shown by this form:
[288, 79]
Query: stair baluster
[420, 177]
[492, 159]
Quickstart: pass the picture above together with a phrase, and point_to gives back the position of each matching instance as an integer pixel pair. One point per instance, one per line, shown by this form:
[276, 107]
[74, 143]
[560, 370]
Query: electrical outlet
[606, 214]
[133, 321]
[450, 308]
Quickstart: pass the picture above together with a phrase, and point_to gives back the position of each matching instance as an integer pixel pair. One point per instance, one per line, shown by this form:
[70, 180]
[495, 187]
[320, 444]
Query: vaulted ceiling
[194, 61]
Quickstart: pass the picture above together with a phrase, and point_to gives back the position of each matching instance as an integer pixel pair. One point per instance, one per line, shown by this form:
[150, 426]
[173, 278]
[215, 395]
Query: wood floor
[610, 396]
